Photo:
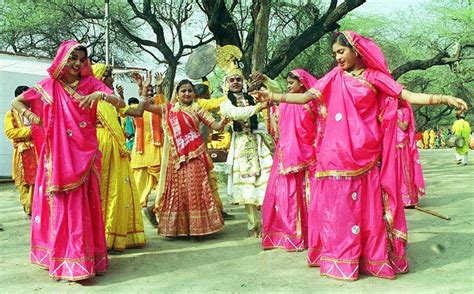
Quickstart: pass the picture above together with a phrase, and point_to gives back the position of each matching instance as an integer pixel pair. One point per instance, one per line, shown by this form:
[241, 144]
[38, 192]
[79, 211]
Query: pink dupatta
[69, 142]
[297, 125]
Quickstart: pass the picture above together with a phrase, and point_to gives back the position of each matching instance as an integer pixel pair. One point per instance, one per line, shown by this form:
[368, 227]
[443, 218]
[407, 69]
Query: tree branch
[293, 46]
[442, 58]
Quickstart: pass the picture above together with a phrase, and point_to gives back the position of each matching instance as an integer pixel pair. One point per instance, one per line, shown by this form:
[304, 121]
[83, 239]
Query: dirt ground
[441, 252]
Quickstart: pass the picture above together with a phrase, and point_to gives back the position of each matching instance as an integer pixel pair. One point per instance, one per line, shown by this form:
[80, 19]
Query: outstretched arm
[240, 113]
[293, 98]
[433, 99]
[219, 126]
[158, 109]
[89, 100]
[138, 111]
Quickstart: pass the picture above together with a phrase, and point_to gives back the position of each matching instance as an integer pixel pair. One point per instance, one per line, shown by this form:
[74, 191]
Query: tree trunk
[261, 16]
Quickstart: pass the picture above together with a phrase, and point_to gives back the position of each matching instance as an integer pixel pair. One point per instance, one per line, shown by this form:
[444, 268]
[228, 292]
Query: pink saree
[284, 211]
[412, 184]
[356, 217]
[67, 230]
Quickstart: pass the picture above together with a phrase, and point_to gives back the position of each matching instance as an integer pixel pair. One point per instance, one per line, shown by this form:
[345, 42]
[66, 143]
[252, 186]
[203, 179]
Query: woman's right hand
[260, 95]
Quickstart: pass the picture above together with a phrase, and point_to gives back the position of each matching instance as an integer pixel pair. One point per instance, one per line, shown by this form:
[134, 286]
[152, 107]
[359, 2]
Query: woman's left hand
[89, 100]
[457, 103]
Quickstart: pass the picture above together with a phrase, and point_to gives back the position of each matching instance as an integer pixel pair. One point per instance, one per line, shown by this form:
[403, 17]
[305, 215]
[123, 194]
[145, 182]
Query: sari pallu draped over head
[105, 111]
[373, 58]
[297, 130]
[69, 143]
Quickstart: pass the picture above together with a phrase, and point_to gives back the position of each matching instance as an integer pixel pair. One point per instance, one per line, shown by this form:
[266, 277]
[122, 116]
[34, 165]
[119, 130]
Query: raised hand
[120, 91]
[147, 89]
[258, 76]
[139, 81]
[159, 79]
[137, 78]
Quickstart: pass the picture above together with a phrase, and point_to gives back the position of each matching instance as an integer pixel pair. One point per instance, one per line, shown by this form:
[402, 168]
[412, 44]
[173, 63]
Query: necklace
[357, 72]
[72, 85]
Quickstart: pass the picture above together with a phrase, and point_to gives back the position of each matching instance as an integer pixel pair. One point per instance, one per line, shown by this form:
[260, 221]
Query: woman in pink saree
[284, 212]
[356, 216]
[412, 184]
[67, 229]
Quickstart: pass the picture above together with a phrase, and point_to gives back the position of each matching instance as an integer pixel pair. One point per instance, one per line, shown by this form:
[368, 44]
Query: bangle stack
[32, 117]
[438, 99]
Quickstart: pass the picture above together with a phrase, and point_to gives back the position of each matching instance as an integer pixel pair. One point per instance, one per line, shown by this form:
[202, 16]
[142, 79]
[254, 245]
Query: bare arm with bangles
[89, 100]
[433, 99]
[19, 105]
[410, 97]
[293, 98]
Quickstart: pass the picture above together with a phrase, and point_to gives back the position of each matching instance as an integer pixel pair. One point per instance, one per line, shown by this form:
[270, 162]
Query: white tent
[16, 70]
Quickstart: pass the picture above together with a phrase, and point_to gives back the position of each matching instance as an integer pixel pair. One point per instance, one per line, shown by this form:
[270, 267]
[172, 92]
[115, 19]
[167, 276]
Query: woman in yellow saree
[118, 192]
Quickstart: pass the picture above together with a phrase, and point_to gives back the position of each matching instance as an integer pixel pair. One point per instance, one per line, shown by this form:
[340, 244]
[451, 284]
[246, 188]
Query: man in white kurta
[249, 160]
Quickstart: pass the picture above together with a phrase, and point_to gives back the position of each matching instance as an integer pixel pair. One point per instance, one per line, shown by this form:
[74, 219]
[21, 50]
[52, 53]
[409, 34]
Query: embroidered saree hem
[274, 240]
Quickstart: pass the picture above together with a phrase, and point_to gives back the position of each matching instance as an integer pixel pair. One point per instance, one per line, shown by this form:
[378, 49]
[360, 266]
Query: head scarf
[61, 58]
[99, 69]
[69, 161]
[296, 130]
[305, 78]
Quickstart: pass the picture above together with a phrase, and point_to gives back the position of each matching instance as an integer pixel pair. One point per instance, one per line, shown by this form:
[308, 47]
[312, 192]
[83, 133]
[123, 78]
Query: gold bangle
[444, 100]
[283, 98]
[28, 114]
[35, 119]
[430, 101]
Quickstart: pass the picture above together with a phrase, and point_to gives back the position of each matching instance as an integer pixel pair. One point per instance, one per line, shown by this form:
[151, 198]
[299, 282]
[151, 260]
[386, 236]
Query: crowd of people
[331, 163]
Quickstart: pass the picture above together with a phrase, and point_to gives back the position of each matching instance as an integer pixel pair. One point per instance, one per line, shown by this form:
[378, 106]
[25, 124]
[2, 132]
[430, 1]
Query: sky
[388, 7]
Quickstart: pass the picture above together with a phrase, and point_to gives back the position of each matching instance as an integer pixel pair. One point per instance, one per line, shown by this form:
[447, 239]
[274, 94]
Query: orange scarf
[155, 125]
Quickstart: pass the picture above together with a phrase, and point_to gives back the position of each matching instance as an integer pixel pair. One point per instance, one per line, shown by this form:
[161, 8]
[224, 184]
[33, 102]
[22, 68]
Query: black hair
[133, 100]
[201, 90]
[20, 90]
[82, 48]
[291, 75]
[182, 83]
[340, 39]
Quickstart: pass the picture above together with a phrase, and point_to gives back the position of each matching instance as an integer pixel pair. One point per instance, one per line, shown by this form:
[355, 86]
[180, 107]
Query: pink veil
[68, 140]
